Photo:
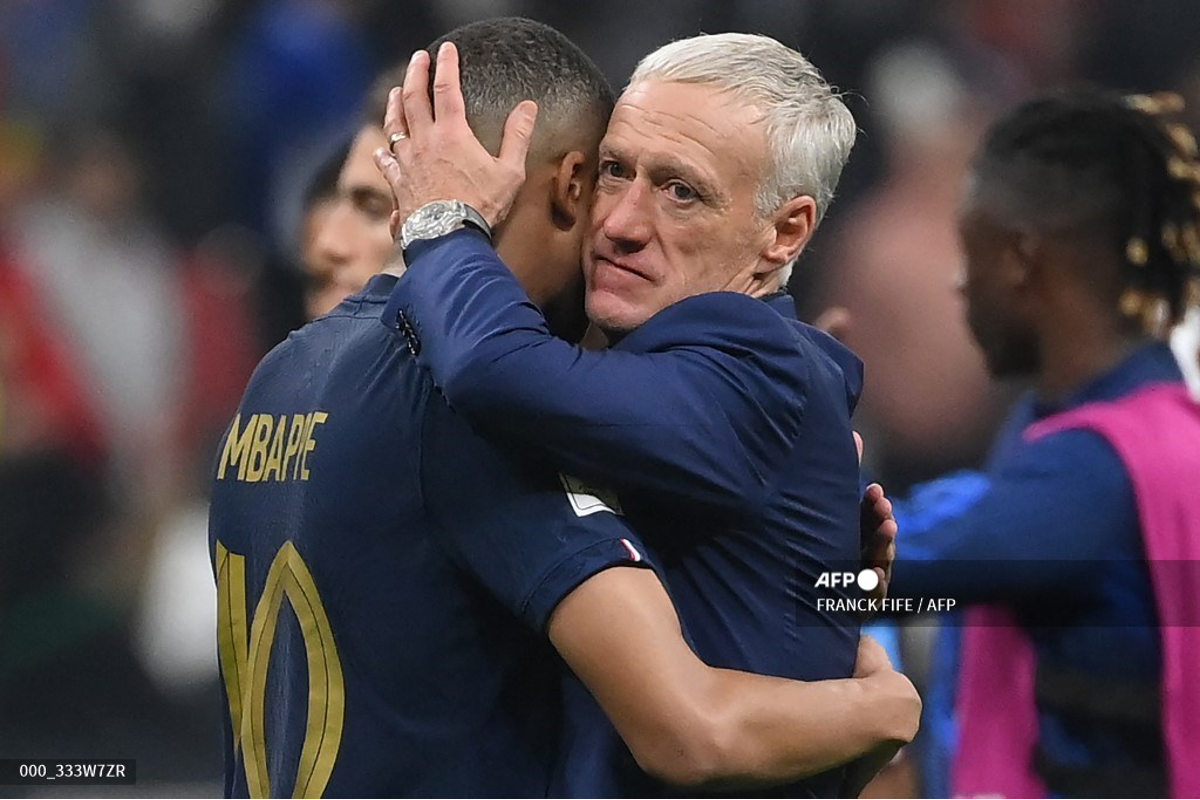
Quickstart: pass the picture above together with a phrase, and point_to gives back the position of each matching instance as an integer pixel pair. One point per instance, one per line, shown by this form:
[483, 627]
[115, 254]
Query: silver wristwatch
[440, 218]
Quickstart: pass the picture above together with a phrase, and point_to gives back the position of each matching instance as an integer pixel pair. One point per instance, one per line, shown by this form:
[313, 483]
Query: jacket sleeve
[701, 404]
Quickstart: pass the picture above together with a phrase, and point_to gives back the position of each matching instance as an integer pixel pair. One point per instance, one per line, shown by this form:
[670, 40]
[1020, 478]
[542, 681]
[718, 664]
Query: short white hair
[810, 132]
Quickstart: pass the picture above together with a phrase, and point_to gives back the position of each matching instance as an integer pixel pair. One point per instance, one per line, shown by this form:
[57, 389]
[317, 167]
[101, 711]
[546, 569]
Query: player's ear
[790, 227]
[570, 190]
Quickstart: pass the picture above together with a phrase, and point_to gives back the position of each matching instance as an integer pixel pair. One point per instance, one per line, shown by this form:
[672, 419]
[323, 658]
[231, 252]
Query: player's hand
[897, 708]
[872, 657]
[878, 528]
[894, 697]
[435, 156]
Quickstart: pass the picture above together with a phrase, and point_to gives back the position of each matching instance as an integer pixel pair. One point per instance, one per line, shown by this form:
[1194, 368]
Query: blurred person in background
[1080, 232]
[71, 680]
[122, 348]
[352, 242]
[109, 280]
[344, 235]
[322, 291]
[929, 405]
[930, 654]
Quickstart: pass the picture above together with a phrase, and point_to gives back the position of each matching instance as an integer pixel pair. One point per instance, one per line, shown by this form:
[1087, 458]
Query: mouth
[622, 267]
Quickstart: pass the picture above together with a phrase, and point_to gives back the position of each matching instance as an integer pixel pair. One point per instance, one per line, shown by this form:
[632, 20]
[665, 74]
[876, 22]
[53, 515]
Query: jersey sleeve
[1036, 527]
[529, 535]
[700, 404]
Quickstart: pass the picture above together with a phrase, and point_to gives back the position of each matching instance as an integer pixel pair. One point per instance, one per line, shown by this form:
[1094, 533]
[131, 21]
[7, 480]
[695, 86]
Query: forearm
[692, 725]
[645, 421]
[780, 730]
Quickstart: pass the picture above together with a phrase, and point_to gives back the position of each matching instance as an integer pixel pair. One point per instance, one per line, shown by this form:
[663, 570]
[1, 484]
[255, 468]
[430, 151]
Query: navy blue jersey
[384, 576]
[724, 426]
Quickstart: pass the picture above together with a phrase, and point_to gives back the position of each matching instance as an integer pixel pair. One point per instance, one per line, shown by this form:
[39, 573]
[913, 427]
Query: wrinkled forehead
[690, 120]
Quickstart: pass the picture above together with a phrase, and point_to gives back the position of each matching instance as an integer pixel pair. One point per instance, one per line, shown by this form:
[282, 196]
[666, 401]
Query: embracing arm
[693, 725]
[584, 578]
[704, 411]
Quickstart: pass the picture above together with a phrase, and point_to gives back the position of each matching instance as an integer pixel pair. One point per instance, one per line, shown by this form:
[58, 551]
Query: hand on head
[435, 155]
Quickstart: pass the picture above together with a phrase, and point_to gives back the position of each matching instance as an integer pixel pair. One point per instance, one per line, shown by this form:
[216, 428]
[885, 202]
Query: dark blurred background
[153, 159]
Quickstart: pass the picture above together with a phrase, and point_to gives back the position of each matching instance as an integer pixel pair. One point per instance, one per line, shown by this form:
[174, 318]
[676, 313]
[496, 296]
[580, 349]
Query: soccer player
[1080, 230]
[723, 423]
[369, 647]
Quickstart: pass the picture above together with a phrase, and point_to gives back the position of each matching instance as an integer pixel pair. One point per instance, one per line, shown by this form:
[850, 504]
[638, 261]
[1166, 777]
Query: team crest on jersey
[586, 499]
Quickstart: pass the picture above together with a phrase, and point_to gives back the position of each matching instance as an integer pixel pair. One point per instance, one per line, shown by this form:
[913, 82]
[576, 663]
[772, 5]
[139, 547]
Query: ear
[791, 226]
[1024, 253]
[569, 190]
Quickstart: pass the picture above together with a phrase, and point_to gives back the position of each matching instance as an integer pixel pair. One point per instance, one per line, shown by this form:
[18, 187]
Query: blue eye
[681, 191]
[611, 169]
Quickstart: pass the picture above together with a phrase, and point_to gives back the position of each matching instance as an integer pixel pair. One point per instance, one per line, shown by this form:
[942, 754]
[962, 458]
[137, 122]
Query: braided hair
[1119, 168]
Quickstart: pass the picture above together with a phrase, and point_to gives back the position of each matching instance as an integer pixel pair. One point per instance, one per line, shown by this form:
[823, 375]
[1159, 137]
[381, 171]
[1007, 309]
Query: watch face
[433, 220]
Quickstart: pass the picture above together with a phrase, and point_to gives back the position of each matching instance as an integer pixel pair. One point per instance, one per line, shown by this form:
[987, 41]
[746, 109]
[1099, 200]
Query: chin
[611, 314]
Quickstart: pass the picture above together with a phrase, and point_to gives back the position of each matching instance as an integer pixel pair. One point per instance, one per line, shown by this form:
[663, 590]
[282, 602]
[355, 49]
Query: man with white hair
[723, 422]
[375, 642]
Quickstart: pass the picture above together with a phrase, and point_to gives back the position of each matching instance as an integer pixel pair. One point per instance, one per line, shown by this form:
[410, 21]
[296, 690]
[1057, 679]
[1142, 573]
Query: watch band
[475, 219]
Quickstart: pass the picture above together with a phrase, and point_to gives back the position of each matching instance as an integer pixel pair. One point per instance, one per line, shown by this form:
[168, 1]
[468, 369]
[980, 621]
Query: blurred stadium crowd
[154, 159]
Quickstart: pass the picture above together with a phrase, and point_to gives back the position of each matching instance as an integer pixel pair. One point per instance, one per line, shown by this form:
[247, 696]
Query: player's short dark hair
[323, 185]
[1115, 168]
[509, 59]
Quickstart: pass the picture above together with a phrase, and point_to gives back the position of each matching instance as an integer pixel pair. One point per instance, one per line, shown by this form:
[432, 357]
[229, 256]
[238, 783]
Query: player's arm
[588, 582]
[1038, 527]
[692, 725]
[700, 404]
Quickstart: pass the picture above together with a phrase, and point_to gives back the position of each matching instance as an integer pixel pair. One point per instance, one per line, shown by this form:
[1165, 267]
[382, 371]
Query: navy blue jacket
[722, 423]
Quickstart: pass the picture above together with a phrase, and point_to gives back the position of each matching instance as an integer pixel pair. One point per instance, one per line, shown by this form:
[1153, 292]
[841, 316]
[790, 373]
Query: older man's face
[675, 211]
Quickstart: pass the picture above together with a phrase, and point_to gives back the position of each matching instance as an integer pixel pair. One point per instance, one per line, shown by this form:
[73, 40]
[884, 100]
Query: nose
[626, 218]
[334, 243]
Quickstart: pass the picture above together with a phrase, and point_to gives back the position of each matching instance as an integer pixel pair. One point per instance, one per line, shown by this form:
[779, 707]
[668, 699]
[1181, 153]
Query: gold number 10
[245, 652]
